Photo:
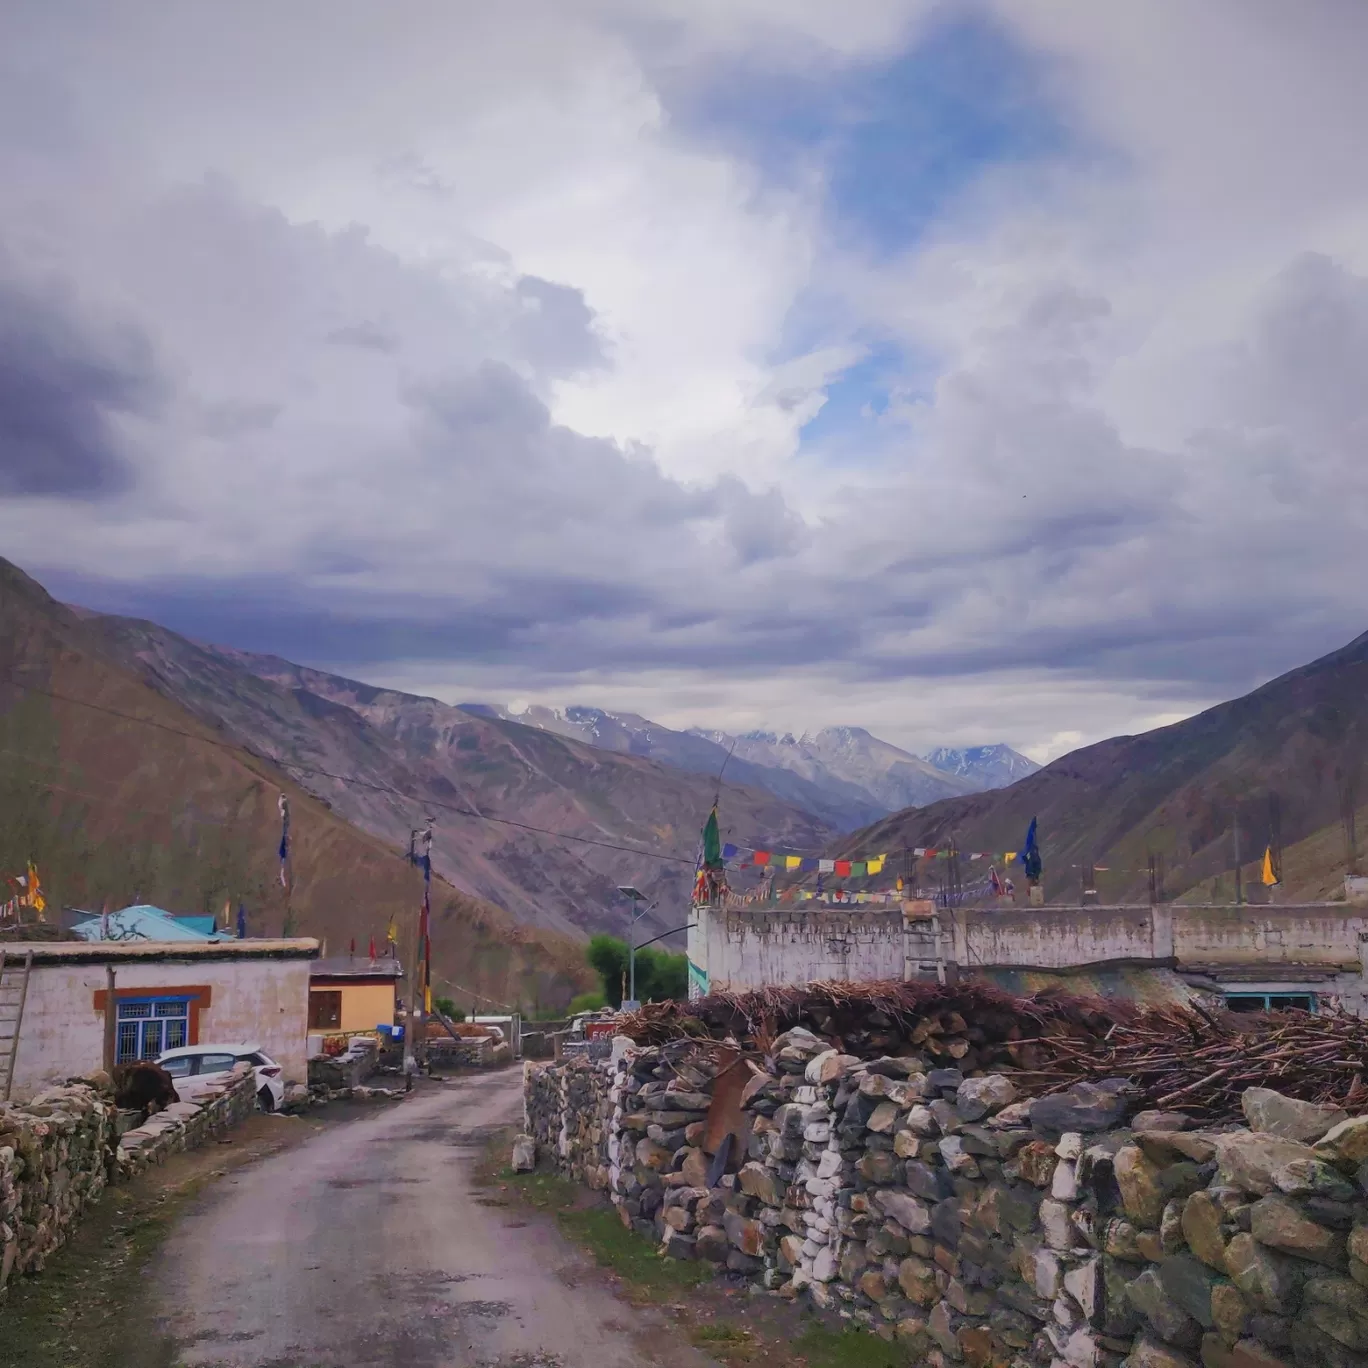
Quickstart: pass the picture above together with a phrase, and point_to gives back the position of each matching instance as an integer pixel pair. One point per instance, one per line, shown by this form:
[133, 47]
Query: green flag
[712, 842]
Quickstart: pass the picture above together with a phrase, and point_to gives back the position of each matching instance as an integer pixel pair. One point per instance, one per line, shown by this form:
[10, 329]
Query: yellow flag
[875, 866]
[900, 883]
[35, 892]
[1270, 876]
[792, 861]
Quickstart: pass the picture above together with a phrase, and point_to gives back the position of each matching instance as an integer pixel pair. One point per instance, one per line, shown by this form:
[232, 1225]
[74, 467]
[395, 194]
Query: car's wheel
[266, 1100]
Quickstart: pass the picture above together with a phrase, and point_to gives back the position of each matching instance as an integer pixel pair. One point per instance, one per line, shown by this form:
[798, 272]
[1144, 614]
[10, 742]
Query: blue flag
[242, 922]
[1030, 853]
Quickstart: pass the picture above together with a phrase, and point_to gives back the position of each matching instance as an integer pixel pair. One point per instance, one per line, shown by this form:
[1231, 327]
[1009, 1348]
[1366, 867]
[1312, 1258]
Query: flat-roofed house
[353, 993]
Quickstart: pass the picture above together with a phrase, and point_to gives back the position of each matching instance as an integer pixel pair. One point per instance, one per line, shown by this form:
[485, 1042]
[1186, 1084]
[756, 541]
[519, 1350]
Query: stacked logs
[1188, 1057]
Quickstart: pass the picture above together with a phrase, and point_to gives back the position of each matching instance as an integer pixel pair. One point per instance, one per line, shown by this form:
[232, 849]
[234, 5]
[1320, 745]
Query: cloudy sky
[968, 371]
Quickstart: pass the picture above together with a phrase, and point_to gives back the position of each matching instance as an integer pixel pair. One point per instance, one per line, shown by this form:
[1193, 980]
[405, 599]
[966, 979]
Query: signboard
[630, 1005]
[599, 1030]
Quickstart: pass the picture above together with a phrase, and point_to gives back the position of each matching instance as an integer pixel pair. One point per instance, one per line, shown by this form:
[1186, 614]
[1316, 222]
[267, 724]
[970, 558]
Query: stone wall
[187, 1125]
[59, 1151]
[975, 1226]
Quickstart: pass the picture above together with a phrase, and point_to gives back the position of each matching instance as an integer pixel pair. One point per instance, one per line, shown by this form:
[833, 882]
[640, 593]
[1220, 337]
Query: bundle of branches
[970, 1025]
[1200, 1062]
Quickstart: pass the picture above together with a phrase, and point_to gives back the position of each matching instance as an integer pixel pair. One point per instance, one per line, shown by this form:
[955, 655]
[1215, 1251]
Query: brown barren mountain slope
[167, 810]
[1282, 760]
[444, 759]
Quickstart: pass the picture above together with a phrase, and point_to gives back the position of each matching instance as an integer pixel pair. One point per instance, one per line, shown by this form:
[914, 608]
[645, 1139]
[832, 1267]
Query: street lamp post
[635, 897]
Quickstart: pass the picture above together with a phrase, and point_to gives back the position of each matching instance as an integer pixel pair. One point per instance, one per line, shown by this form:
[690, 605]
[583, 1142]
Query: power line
[352, 779]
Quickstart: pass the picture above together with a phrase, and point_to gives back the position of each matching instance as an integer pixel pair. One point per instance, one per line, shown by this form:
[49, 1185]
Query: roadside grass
[823, 1348]
[61, 1318]
[599, 1230]
[737, 1335]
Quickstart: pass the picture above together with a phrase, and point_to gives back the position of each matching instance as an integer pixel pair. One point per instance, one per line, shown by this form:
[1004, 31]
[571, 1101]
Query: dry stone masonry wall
[976, 1226]
[58, 1153]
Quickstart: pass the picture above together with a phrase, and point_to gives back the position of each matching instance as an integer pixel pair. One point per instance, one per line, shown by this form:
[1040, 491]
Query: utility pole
[635, 897]
[1239, 873]
[111, 1016]
[415, 1034]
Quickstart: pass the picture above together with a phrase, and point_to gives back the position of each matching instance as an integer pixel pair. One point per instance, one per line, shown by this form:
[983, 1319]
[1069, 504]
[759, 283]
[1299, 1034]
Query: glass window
[215, 1063]
[179, 1067]
[149, 1026]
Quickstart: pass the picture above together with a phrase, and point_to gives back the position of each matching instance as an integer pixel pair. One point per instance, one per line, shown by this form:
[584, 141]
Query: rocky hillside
[168, 808]
[1281, 761]
[619, 818]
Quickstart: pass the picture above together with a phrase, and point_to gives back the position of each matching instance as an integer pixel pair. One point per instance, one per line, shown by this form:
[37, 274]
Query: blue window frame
[1270, 1002]
[147, 1027]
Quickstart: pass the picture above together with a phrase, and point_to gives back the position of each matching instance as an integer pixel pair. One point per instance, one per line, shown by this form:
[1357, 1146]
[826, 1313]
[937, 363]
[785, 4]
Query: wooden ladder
[14, 980]
[924, 948]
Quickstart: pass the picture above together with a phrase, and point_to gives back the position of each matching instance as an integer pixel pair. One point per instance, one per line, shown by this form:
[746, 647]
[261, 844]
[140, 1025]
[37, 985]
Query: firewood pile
[1190, 1059]
[1201, 1062]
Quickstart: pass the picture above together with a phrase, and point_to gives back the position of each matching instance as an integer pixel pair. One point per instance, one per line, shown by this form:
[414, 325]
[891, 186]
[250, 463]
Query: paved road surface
[367, 1247]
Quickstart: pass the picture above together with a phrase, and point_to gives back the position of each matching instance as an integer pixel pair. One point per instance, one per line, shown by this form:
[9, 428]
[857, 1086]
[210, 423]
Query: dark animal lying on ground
[143, 1086]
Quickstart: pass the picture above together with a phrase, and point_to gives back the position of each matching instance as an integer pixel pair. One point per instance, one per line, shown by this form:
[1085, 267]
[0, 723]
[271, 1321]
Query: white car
[196, 1068]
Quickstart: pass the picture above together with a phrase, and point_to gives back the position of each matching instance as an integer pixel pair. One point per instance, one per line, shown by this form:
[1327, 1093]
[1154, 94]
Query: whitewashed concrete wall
[264, 1000]
[750, 948]
[1315, 947]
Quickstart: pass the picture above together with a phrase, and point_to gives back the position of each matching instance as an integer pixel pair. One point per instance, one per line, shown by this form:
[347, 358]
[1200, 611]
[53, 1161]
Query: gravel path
[370, 1247]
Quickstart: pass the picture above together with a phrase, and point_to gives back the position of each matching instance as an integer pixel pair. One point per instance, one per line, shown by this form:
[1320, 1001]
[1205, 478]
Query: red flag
[372, 945]
[843, 868]
[762, 857]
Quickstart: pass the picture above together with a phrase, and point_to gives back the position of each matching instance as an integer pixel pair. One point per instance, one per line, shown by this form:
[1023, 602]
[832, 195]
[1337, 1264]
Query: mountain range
[843, 775]
[1279, 767]
[121, 794]
[539, 817]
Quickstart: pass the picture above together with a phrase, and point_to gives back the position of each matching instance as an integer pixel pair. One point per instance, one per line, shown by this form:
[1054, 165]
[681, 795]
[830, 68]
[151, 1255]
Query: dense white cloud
[436, 344]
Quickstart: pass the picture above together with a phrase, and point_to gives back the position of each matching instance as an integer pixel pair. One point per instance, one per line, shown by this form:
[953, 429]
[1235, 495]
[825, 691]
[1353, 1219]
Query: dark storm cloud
[63, 387]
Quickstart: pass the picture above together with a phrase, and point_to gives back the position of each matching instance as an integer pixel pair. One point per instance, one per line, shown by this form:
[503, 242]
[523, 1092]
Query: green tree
[586, 1002]
[448, 1008]
[660, 975]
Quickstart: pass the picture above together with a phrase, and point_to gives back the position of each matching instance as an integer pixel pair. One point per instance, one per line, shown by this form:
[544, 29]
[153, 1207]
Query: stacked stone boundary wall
[60, 1151]
[976, 1226]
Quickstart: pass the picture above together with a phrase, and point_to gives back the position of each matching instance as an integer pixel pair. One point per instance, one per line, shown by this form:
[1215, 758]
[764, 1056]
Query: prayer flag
[857, 870]
[876, 864]
[919, 851]
[284, 806]
[372, 945]
[826, 866]
[1270, 875]
[792, 861]
[712, 843]
[843, 868]
[242, 922]
[729, 851]
[1030, 853]
[762, 857]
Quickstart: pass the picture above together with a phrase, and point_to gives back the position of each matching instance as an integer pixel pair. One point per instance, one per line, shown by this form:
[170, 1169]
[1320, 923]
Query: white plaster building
[167, 993]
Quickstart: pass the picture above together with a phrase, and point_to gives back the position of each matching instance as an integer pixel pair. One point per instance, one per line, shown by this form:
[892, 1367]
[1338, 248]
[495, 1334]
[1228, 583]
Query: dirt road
[369, 1246]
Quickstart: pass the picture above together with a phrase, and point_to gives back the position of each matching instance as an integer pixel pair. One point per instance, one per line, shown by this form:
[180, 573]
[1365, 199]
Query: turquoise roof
[142, 922]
